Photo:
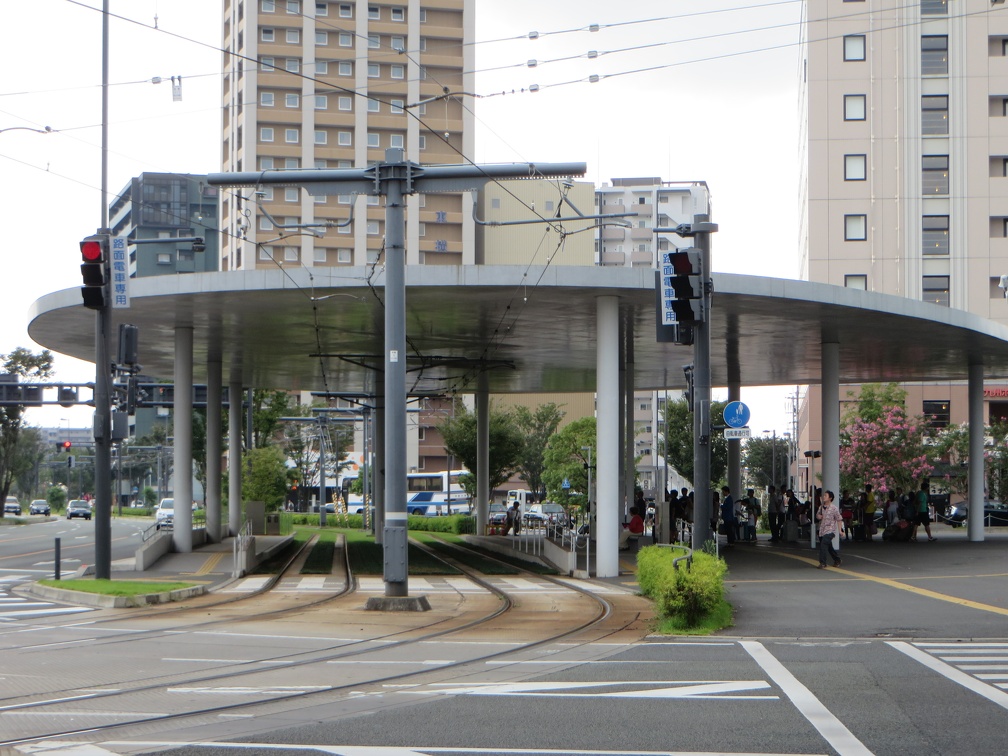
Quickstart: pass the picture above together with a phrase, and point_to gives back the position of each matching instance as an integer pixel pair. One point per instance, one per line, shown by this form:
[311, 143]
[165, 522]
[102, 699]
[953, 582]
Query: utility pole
[395, 178]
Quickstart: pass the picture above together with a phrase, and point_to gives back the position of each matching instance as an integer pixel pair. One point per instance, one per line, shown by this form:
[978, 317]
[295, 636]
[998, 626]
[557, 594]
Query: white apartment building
[333, 85]
[904, 109]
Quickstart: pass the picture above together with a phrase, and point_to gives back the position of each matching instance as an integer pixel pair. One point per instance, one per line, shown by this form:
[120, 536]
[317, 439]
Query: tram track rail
[441, 628]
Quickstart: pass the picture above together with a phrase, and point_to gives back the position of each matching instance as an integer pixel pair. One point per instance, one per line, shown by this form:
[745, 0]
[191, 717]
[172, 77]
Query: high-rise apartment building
[334, 85]
[905, 185]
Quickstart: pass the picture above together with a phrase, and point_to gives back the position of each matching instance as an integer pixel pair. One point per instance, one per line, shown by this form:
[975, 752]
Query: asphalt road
[904, 650]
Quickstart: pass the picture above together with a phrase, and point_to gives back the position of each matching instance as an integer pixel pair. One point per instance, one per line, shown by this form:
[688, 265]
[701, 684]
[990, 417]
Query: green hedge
[688, 594]
[457, 524]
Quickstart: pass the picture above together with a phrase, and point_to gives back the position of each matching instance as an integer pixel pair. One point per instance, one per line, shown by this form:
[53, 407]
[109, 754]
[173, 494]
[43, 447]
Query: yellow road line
[904, 587]
[210, 563]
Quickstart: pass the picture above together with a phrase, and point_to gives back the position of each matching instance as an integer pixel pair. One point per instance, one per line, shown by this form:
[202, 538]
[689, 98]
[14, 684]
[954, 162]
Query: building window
[934, 55]
[269, 6]
[266, 99]
[935, 289]
[935, 174]
[934, 115]
[321, 102]
[398, 14]
[373, 41]
[344, 139]
[373, 70]
[320, 136]
[266, 34]
[398, 71]
[346, 10]
[373, 141]
[345, 39]
[396, 140]
[291, 136]
[396, 107]
[345, 103]
[372, 228]
[854, 107]
[855, 167]
[344, 256]
[264, 254]
[855, 227]
[935, 235]
[321, 9]
[294, 7]
[937, 413]
[398, 44]
[264, 224]
[422, 229]
[266, 64]
[291, 194]
[292, 100]
[293, 36]
[319, 255]
[423, 146]
[321, 38]
[346, 68]
[857, 281]
[423, 15]
[854, 47]
[374, 13]
[292, 65]
[292, 163]
[373, 106]
[266, 134]
[291, 254]
[321, 67]
[934, 7]
[265, 164]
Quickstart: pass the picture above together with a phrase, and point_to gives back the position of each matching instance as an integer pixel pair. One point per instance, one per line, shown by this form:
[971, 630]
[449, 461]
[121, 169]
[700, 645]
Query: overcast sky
[719, 104]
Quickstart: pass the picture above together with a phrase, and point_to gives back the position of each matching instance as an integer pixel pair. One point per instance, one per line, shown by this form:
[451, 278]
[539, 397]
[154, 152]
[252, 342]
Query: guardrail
[239, 549]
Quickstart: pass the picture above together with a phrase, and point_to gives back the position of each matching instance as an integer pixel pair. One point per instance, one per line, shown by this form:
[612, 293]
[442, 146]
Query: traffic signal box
[94, 266]
[682, 274]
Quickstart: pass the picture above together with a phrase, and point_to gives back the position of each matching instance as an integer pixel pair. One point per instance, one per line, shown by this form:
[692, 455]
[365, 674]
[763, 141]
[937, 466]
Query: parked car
[78, 508]
[12, 506]
[547, 512]
[498, 514]
[995, 514]
[39, 506]
[164, 515]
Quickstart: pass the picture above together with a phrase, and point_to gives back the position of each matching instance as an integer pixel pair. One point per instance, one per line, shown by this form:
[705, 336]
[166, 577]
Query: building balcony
[613, 258]
[642, 234]
[613, 233]
[641, 258]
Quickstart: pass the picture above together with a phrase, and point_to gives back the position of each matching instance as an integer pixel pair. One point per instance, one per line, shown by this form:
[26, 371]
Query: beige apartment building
[333, 85]
[904, 110]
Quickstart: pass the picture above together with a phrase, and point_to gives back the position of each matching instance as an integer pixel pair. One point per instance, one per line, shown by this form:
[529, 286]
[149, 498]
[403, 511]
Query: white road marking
[246, 690]
[831, 728]
[247, 585]
[990, 692]
[712, 689]
[59, 748]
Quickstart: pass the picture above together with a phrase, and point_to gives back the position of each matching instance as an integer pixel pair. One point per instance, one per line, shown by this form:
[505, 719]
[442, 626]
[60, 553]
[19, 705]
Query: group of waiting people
[913, 507]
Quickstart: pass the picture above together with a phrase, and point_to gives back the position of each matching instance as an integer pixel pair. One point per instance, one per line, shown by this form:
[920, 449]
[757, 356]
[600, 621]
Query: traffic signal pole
[103, 376]
[703, 499]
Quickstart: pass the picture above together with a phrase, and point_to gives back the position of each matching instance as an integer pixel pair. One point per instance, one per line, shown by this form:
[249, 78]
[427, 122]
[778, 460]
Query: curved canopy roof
[534, 328]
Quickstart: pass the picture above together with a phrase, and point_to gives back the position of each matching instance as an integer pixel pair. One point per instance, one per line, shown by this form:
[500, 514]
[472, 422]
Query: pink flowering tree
[887, 451]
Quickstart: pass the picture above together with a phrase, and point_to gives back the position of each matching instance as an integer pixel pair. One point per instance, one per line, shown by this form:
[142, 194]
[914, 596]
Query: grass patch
[320, 559]
[115, 587]
[512, 559]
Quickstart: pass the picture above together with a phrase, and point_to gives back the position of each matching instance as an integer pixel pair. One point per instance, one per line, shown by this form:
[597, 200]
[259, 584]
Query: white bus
[426, 493]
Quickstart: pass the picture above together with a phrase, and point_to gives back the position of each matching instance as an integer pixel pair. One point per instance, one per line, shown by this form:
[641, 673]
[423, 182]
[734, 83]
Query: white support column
[183, 407]
[629, 458]
[830, 424]
[482, 453]
[235, 414]
[607, 401]
[974, 525]
[214, 413]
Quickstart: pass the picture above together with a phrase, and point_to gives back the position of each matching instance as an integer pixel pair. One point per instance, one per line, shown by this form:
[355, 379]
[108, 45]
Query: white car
[164, 515]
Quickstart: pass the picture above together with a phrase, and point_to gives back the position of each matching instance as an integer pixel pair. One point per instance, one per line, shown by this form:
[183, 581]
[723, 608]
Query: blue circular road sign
[736, 415]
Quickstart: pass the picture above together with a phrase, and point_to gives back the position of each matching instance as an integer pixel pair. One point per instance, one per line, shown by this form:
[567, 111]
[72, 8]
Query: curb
[114, 602]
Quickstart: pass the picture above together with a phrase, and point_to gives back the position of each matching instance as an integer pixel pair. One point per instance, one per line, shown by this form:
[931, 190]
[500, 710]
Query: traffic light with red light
[94, 270]
[65, 445]
[683, 285]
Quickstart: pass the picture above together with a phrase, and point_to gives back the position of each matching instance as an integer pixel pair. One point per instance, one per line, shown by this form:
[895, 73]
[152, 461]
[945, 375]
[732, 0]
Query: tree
[872, 401]
[537, 428]
[566, 458]
[267, 408]
[265, 477]
[887, 452]
[952, 445]
[506, 444]
[678, 440]
[13, 461]
[759, 457]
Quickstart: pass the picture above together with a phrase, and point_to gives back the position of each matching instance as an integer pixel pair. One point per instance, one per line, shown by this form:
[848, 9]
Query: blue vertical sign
[667, 294]
[119, 285]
